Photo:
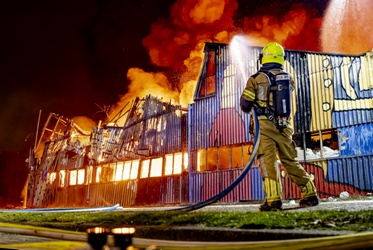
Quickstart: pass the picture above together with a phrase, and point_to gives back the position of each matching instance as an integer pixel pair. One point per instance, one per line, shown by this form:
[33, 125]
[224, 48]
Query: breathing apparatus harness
[279, 90]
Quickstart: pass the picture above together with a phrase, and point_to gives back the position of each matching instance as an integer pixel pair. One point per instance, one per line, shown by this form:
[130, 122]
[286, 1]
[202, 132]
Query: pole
[37, 130]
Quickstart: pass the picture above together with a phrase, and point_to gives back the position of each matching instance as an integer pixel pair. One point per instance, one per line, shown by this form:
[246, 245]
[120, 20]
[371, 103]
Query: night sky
[72, 57]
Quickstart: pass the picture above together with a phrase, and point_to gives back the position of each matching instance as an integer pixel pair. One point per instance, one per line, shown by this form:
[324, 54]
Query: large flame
[175, 44]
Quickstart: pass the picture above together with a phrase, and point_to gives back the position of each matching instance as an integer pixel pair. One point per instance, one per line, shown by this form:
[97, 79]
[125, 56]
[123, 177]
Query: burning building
[159, 153]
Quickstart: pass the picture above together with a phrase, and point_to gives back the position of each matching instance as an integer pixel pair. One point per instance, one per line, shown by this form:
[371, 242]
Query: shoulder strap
[271, 76]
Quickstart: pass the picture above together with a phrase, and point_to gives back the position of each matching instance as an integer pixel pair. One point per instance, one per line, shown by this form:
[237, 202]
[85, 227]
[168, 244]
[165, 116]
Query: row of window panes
[127, 170]
[223, 158]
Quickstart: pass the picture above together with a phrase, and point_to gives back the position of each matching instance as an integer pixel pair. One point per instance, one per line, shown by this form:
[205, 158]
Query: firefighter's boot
[309, 195]
[273, 190]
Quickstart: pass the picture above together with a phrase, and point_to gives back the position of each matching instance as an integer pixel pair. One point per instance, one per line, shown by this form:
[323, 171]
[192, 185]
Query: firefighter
[275, 129]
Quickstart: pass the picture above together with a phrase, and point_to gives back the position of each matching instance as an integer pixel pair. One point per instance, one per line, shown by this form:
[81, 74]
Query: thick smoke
[175, 44]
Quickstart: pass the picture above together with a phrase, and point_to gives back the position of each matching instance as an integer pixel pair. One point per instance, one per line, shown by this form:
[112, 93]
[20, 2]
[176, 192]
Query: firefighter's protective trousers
[271, 141]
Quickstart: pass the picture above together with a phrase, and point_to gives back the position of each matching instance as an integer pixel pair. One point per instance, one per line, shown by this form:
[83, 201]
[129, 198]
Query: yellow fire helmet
[272, 53]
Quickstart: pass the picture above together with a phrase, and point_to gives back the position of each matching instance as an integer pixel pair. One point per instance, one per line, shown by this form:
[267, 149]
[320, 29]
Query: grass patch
[320, 220]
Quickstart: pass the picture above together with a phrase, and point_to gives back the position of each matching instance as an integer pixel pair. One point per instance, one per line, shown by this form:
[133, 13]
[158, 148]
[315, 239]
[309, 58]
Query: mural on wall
[353, 90]
[344, 101]
[332, 92]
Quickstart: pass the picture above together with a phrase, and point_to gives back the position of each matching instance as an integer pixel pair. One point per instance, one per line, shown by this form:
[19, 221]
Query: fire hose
[235, 182]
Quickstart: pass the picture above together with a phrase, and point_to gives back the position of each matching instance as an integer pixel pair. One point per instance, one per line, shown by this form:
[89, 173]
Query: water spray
[239, 49]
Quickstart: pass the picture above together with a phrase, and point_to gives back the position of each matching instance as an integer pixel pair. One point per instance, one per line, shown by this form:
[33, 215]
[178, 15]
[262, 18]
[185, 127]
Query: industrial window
[212, 159]
[126, 170]
[98, 174]
[208, 80]
[168, 169]
[118, 172]
[89, 174]
[224, 158]
[174, 164]
[81, 176]
[178, 163]
[105, 173]
[237, 157]
[110, 173]
[221, 158]
[207, 159]
[51, 177]
[73, 177]
[62, 178]
[134, 169]
[144, 169]
[247, 150]
[185, 161]
[201, 160]
[156, 167]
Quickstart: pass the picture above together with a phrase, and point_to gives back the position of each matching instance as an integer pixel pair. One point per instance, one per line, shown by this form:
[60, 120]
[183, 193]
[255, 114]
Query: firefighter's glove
[245, 105]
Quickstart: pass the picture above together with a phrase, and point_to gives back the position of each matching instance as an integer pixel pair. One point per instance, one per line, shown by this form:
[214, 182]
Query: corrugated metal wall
[356, 140]
[103, 194]
[332, 91]
[353, 171]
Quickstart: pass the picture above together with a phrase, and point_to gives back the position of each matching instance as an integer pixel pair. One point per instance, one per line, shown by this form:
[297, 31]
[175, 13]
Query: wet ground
[224, 234]
[325, 204]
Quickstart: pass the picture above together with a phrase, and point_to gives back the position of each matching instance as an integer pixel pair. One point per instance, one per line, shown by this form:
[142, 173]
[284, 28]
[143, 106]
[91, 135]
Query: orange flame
[175, 45]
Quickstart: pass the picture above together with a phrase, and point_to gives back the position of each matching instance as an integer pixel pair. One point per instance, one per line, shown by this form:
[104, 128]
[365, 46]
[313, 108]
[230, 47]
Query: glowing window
[247, 150]
[178, 162]
[185, 161]
[118, 171]
[156, 167]
[144, 169]
[201, 160]
[81, 176]
[51, 177]
[168, 165]
[62, 178]
[237, 158]
[212, 159]
[135, 169]
[73, 176]
[111, 172]
[98, 174]
[126, 170]
[89, 174]
[224, 158]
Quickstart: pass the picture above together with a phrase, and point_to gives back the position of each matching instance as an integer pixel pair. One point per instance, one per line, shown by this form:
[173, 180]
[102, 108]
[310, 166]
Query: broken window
[319, 145]
[208, 80]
